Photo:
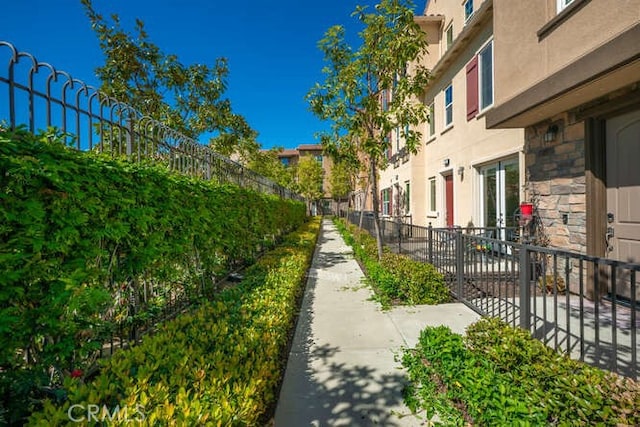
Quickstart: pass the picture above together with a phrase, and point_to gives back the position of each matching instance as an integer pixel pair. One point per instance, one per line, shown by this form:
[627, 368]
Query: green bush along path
[85, 237]
[218, 365]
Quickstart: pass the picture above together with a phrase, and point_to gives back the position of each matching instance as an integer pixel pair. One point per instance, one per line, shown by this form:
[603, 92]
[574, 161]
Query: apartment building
[292, 156]
[464, 173]
[568, 71]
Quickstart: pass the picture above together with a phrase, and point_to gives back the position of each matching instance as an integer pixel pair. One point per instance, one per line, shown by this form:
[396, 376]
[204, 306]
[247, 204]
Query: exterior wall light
[550, 134]
[461, 172]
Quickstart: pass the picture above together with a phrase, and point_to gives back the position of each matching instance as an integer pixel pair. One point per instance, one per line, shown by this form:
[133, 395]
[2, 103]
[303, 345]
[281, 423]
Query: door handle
[608, 236]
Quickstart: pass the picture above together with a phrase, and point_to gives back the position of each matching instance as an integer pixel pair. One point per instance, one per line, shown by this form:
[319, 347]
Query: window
[432, 119]
[449, 33]
[284, 161]
[468, 9]
[448, 105]
[388, 142]
[407, 196]
[386, 201]
[318, 158]
[480, 81]
[562, 4]
[385, 100]
[397, 138]
[486, 76]
[432, 194]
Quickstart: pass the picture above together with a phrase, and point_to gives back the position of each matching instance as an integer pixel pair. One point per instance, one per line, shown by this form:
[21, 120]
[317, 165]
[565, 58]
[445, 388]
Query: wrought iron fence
[40, 96]
[584, 306]
[37, 95]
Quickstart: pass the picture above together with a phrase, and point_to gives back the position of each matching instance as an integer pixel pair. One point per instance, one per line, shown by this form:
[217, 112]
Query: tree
[268, 164]
[342, 179]
[310, 179]
[188, 99]
[388, 62]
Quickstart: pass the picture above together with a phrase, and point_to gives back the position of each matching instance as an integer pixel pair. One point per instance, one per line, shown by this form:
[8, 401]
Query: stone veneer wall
[555, 178]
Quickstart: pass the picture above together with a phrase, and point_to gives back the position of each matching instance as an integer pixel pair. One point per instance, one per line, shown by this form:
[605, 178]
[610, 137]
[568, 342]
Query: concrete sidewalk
[341, 370]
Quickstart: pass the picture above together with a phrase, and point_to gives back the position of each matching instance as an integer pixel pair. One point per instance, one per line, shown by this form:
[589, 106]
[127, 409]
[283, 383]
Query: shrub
[83, 238]
[499, 375]
[396, 279]
[219, 365]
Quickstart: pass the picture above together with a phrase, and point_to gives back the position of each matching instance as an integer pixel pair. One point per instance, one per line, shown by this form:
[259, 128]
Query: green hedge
[83, 237]
[396, 279]
[500, 375]
[220, 365]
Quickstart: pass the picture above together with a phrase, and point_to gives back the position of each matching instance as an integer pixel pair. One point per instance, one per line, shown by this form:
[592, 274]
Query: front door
[623, 189]
[500, 195]
[448, 197]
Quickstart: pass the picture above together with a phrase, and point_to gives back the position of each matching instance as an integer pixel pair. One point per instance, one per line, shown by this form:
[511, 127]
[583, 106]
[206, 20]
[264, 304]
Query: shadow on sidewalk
[328, 392]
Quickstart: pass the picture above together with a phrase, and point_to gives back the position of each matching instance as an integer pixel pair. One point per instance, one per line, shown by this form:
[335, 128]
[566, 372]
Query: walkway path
[341, 369]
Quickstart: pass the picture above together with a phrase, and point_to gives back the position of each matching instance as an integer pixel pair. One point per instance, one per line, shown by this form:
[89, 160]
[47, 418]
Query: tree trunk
[364, 202]
[376, 208]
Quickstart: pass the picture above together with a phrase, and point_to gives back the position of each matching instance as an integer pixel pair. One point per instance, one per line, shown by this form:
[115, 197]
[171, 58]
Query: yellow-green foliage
[219, 365]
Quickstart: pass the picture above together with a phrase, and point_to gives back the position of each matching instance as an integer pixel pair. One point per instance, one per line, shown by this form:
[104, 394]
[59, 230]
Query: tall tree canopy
[268, 164]
[310, 179]
[386, 66]
[187, 98]
[342, 180]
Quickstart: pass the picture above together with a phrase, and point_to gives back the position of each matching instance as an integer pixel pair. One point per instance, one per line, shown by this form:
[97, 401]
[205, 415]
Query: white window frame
[467, 17]
[563, 4]
[385, 203]
[433, 197]
[481, 82]
[407, 197]
[448, 43]
[448, 124]
[432, 119]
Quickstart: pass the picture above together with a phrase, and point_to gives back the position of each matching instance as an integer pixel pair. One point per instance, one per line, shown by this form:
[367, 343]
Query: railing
[40, 96]
[37, 95]
[584, 306]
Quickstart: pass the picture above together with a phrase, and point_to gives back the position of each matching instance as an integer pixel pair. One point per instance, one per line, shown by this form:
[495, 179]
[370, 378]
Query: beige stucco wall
[523, 59]
[467, 144]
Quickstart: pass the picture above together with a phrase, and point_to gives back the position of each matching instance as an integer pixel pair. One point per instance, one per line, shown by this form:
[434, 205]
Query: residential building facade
[569, 73]
[464, 174]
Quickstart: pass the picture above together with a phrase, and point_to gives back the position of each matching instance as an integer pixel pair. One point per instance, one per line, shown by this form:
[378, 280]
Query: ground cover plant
[89, 243]
[396, 278]
[500, 375]
[219, 365]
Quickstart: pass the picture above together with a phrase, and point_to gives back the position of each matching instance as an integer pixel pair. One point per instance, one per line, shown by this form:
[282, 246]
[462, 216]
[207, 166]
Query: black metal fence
[37, 95]
[40, 96]
[584, 306]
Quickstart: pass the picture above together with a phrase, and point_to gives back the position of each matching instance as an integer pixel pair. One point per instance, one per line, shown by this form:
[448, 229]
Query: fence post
[525, 288]
[130, 139]
[399, 225]
[459, 251]
[430, 244]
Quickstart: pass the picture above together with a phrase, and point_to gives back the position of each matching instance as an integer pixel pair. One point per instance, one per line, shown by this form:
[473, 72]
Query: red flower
[76, 373]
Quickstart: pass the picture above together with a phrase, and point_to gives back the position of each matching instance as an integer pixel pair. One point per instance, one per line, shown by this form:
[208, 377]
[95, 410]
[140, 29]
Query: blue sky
[271, 47]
